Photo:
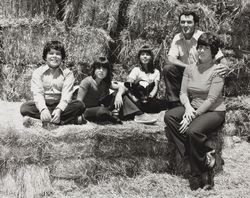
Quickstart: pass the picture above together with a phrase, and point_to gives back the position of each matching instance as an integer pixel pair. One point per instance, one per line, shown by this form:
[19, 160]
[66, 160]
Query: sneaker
[145, 119]
[207, 179]
[81, 120]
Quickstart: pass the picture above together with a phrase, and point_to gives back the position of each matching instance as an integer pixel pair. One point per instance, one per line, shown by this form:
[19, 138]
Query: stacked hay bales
[100, 14]
[237, 118]
[25, 54]
[27, 8]
[34, 160]
[234, 32]
[155, 23]
[83, 154]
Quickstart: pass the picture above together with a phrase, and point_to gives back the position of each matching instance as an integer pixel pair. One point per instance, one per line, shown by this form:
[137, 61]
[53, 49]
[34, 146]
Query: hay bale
[92, 170]
[157, 19]
[86, 44]
[130, 48]
[83, 45]
[150, 19]
[27, 9]
[100, 14]
[35, 148]
[27, 181]
[241, 26]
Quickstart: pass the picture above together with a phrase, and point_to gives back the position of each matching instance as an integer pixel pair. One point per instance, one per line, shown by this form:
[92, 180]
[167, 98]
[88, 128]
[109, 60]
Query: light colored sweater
[202, 88]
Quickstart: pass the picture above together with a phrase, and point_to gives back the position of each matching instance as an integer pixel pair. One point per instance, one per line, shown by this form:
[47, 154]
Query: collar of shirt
[195, 36]
[61, 68]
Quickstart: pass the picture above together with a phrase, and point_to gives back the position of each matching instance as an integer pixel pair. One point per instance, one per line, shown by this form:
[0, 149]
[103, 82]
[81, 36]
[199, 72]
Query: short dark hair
[187, 13]
[211, 40]
[56, 45]
[102, 62]
[151, 66]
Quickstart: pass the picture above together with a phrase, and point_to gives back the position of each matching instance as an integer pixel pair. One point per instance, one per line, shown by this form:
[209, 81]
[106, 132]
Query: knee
[167, 117]
[191, 133]
[24, 109]
[80, 106]
[102, 111]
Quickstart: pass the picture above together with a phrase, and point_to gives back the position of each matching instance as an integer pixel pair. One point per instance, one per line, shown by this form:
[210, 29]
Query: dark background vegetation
[116, 29]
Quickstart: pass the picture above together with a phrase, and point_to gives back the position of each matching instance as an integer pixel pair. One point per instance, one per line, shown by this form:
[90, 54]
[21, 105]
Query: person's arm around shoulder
[222, 68]
[38, 95]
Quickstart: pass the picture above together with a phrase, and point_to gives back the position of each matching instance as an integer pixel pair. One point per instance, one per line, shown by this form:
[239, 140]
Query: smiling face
[187, 25]
[145, 58]
[54, 58]
[101, 72]
[204, 53]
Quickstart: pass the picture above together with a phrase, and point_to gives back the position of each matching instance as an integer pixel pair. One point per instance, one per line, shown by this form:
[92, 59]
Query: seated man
[52, 87]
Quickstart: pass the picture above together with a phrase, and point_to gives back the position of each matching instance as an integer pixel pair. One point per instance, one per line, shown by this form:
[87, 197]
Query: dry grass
[233, 182]
[27, 8]
[100, 14]
[20, 58]
[126, 161]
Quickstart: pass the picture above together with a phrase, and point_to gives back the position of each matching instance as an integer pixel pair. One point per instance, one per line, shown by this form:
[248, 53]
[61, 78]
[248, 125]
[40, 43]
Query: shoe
[145, 119]
[28, 121]
[115, 120]
[194, 182]
[81, 120]
[207, 180]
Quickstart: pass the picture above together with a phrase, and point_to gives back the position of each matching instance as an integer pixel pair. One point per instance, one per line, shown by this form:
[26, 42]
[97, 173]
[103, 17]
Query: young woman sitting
[143, 83]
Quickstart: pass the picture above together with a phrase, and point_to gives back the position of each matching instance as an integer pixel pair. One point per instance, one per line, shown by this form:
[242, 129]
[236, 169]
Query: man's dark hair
[56, 45]
[211, 40]
[187, 13]
[102, 62]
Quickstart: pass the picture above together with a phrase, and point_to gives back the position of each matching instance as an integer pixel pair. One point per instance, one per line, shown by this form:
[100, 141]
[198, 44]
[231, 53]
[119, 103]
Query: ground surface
[233, 182]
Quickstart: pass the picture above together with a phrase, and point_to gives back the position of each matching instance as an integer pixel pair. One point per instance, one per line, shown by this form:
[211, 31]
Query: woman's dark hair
[151, 65]
[211, 40]
[102, 62]
[187, 13]
[56, 45]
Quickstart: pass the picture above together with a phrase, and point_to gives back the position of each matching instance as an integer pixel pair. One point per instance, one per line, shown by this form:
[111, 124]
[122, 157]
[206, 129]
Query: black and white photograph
[124, 99]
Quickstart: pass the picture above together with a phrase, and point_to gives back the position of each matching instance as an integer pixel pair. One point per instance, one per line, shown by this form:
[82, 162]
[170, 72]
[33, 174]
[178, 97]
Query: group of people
[194, 79]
